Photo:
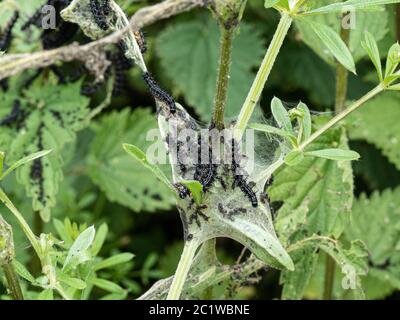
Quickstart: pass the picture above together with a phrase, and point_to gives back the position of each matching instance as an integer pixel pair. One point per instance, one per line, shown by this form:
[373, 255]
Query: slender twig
[262, 75]
[223, 77]
[12, 281]
[12, 64]
[340, 116]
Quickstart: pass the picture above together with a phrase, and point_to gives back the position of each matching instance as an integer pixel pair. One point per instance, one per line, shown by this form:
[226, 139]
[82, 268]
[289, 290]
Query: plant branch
[182, 271]
[262, 75]
[13, 282]
[223, 77]
[342, 77]
[354, 106]
[12, 64]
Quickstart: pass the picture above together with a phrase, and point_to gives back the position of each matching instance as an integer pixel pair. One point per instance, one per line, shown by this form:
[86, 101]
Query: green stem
[182, 271]
[340, 116]
[262, 75]
[342, 77]
[224, 66]
[12, 280]
[22, 222]
[329, 277]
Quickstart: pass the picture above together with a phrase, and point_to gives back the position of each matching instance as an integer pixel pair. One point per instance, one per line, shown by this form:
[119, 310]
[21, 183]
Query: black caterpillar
[100, 13]
[205, 173]
[239, 180]
[183, 191]
[158, 93]
[6, 37]
[141, 41]
[15, 111]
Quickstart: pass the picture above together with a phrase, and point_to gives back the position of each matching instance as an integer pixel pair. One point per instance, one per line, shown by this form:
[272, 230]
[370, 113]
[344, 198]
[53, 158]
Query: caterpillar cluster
[158, 93]
[183, 191]
[205, 173]
[100, 11]
[239, 179]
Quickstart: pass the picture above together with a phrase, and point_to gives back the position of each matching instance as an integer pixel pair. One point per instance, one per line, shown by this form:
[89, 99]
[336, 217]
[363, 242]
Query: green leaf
[306, 121]
[59, 112]
[377, 123]
[22, 271]
[356, 4]
[294, 157]
[189, 53]
[99, 239]
[142, 158]
[322, 188]
[371, 48]
[1, 162]
[281, 115]
[270, 3]
[117, 173]
[24, 161]
[376, 221]
[113, 261]
[195, 188]
[334, 44]
[393, 59]
[46, 294]
[78, 254]
[272, 130]
[72, 282]
[106, 285]
[375, 22]
[334, 154]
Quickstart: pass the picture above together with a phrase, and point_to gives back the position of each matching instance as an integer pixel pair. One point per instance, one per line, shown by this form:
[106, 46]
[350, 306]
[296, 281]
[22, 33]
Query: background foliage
[90, 180]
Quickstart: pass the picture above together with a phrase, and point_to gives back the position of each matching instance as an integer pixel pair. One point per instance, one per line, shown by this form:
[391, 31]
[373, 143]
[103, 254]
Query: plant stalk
[342, 78]
[340, 116]
[12, 280]
[182, 271]
[224, 66]
[330, 266]
[262, 75]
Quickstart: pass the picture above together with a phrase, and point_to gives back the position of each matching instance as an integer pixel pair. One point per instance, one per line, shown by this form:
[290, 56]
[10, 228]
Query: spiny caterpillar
[158, 93]
[141, 41]
[100, 12]
[239, 180]
[183, 191]
[6, 37]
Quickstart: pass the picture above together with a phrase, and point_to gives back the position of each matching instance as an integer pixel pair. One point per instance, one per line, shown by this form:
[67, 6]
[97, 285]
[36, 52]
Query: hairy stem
[262, 75]
[12, 281]
[224, 66]
[340, 116]
[182, 271]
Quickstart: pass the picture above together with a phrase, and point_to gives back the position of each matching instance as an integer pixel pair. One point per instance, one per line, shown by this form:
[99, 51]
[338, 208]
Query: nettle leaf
[375, 22]
[189, 54]
[371, 47]
[377, 122]
[117, 173]
[356, 4]
[324, 187]
[376, 221]
[334, 154]
[47, 119]
[351, 267]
